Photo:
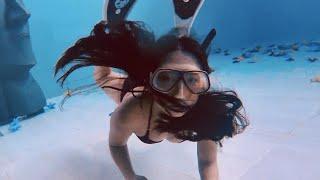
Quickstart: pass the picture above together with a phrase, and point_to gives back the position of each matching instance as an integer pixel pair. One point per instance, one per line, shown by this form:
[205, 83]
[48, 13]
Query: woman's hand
[137, 177]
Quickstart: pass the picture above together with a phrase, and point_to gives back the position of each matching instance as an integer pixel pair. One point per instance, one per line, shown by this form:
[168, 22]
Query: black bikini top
[145, 138]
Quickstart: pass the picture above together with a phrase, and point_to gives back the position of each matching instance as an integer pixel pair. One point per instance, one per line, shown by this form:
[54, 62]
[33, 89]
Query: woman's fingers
[138, 177]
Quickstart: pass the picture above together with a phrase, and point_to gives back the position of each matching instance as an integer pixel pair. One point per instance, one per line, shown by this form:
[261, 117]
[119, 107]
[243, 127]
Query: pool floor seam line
[255, 163]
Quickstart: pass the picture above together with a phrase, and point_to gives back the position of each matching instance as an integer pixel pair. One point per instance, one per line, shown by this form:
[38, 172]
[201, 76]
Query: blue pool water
[55, 25]
[275, 87]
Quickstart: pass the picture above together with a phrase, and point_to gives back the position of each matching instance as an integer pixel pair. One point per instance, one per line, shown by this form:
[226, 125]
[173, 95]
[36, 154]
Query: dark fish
[267, 51]
[314, 49]
[251, 62]
[217, 50]
[290, 59]
[247, 54]
[295, 47]
[312, 43]
[271, 46]
[226, 52]
[312, 59]
[253, 50]
[284, 46]
[278, 53]
[238, 58]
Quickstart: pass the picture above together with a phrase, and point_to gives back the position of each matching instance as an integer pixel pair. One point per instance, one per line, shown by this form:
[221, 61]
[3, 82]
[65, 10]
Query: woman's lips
[177, 109]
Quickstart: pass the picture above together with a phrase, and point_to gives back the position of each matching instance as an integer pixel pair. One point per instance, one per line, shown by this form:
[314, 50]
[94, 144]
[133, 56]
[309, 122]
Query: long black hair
[128, 46]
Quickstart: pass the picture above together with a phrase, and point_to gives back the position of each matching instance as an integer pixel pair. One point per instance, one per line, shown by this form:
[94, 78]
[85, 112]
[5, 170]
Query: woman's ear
[150, 75]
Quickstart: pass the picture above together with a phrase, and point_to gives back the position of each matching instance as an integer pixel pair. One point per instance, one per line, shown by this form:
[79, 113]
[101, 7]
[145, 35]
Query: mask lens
[164, 80]
[197, 82]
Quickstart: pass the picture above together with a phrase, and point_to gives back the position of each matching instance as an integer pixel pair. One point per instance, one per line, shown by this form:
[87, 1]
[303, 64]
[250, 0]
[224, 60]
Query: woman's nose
[180, 90]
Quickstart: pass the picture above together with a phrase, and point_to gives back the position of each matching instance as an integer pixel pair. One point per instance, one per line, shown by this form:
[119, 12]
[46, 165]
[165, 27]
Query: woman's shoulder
[132, 109]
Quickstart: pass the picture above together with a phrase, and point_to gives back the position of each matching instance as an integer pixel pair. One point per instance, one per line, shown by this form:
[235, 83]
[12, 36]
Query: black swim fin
[207, 41]
[185, 13]
[116, 11]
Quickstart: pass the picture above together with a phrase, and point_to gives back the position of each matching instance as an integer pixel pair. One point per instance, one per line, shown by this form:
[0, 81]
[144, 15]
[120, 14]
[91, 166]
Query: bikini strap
[150, 115]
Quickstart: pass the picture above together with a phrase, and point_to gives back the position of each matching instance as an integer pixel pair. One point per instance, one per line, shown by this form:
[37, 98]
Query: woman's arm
[121, 157]
[207, 160]
[104, 76]
[122, 125]
[120, 131]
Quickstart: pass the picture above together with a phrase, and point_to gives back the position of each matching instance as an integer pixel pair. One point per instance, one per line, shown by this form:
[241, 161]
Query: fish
[226, 52]
[312, 59]
[290, 59]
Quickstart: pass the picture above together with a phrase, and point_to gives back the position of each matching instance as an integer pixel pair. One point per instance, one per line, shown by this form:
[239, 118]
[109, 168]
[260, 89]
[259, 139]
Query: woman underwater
[165, 92]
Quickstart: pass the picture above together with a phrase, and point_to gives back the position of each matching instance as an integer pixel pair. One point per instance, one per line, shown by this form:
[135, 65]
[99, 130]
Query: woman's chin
[176, 114]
